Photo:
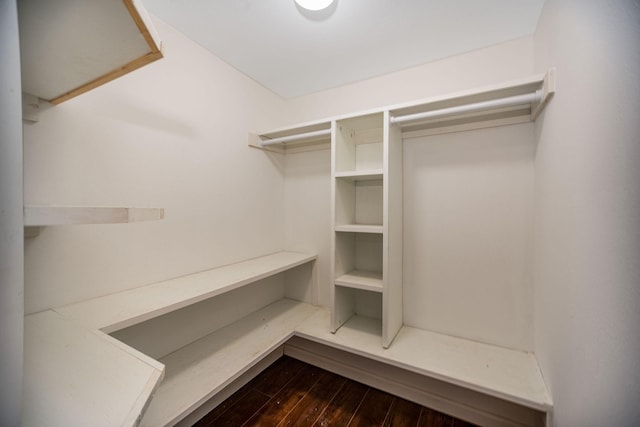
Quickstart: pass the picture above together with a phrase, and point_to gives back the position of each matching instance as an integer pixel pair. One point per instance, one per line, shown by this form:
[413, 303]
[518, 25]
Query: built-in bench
[77, 374]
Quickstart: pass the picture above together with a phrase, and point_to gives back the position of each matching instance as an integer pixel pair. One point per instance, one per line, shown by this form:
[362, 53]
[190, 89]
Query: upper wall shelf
[508, 103]
[516, 102]
[42, 216]
[68, 48]
[306, 137]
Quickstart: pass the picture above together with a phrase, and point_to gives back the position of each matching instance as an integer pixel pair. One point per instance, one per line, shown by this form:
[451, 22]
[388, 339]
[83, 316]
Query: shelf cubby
[359, 143]
[359, 201]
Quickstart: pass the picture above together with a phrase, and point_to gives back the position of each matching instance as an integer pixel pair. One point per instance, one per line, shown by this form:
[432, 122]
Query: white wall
[11, 242]
[587, 272]
[172, 134]
[307, 193]
[468, 205]
[492, 65]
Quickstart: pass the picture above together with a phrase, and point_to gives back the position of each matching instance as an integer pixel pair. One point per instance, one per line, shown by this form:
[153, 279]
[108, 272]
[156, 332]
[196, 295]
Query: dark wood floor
[293, 393]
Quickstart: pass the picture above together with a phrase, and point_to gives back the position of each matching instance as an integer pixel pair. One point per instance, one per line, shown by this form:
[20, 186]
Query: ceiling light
[314, 4]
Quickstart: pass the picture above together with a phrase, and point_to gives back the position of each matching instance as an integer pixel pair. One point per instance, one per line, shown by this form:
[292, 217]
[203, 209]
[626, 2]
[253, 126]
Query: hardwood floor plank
[344, 404]
[286, 399]
[276, 376]
[238, 413]
[294, 393]
[373, 409]
[403, 414]
[431, 418]
[219, 410]
[307, 411]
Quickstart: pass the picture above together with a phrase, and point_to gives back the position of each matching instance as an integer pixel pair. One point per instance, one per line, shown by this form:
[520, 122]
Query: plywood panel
[71, 46]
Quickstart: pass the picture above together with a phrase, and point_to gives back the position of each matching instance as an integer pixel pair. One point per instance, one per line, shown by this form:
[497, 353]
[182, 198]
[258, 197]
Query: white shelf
[42, 216]
[305, 137]
[365, 280]
[72, 47]
[117, 311]
[364, 175]
[359, 228]
[503, 373]
[198, 371]
[78, 377]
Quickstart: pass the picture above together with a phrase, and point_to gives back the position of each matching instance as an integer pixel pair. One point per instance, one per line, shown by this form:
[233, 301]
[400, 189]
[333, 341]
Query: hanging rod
[297, 137]
[468, 108]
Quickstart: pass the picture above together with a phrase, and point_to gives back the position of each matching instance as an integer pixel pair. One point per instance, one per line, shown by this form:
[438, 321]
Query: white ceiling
[293, 52]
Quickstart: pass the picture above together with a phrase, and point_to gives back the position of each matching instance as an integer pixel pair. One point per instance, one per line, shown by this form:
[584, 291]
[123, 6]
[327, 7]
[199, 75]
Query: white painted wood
[369, 156]
[368, 252]
[392, 306]
[548, 90]
[75, 376]
[198, 371]
[368, 202]
[344, 306]
[360, 175]
[301, 283]
[506, 374]
[450, 399]
[510, 101]
[358, 279]
[162, 335]
[453, 126]
[359, 228]
[40, 216]
[368, 304]
[340, 244]
[349, 123]
[117, 311]
[345, 148]
[345, 202]
[305, 137]
[94, 39]
[358, 206]
[358, 201]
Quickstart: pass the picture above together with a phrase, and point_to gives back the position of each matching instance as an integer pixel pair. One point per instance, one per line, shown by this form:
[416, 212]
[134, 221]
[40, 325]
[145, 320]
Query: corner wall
[587, 269]
[172, 134]
[11, 224]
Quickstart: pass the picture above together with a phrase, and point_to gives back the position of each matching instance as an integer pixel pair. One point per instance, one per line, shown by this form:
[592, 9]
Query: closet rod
[468, 108]
[297, 137]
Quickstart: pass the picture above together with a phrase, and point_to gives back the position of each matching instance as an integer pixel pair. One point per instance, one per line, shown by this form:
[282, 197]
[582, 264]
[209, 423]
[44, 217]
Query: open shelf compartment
[359, 143]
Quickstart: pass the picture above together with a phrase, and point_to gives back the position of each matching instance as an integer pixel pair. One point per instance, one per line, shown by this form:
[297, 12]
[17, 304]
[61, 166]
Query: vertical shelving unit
[365, 274]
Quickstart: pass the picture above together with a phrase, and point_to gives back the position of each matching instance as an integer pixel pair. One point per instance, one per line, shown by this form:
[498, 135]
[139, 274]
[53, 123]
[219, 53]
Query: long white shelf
[79, 377]
[198, 371]
[503, 373]
[42, 216]
[358, 279]
[117, 311]
[71, 362]
[304, 137]
[359, 228]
